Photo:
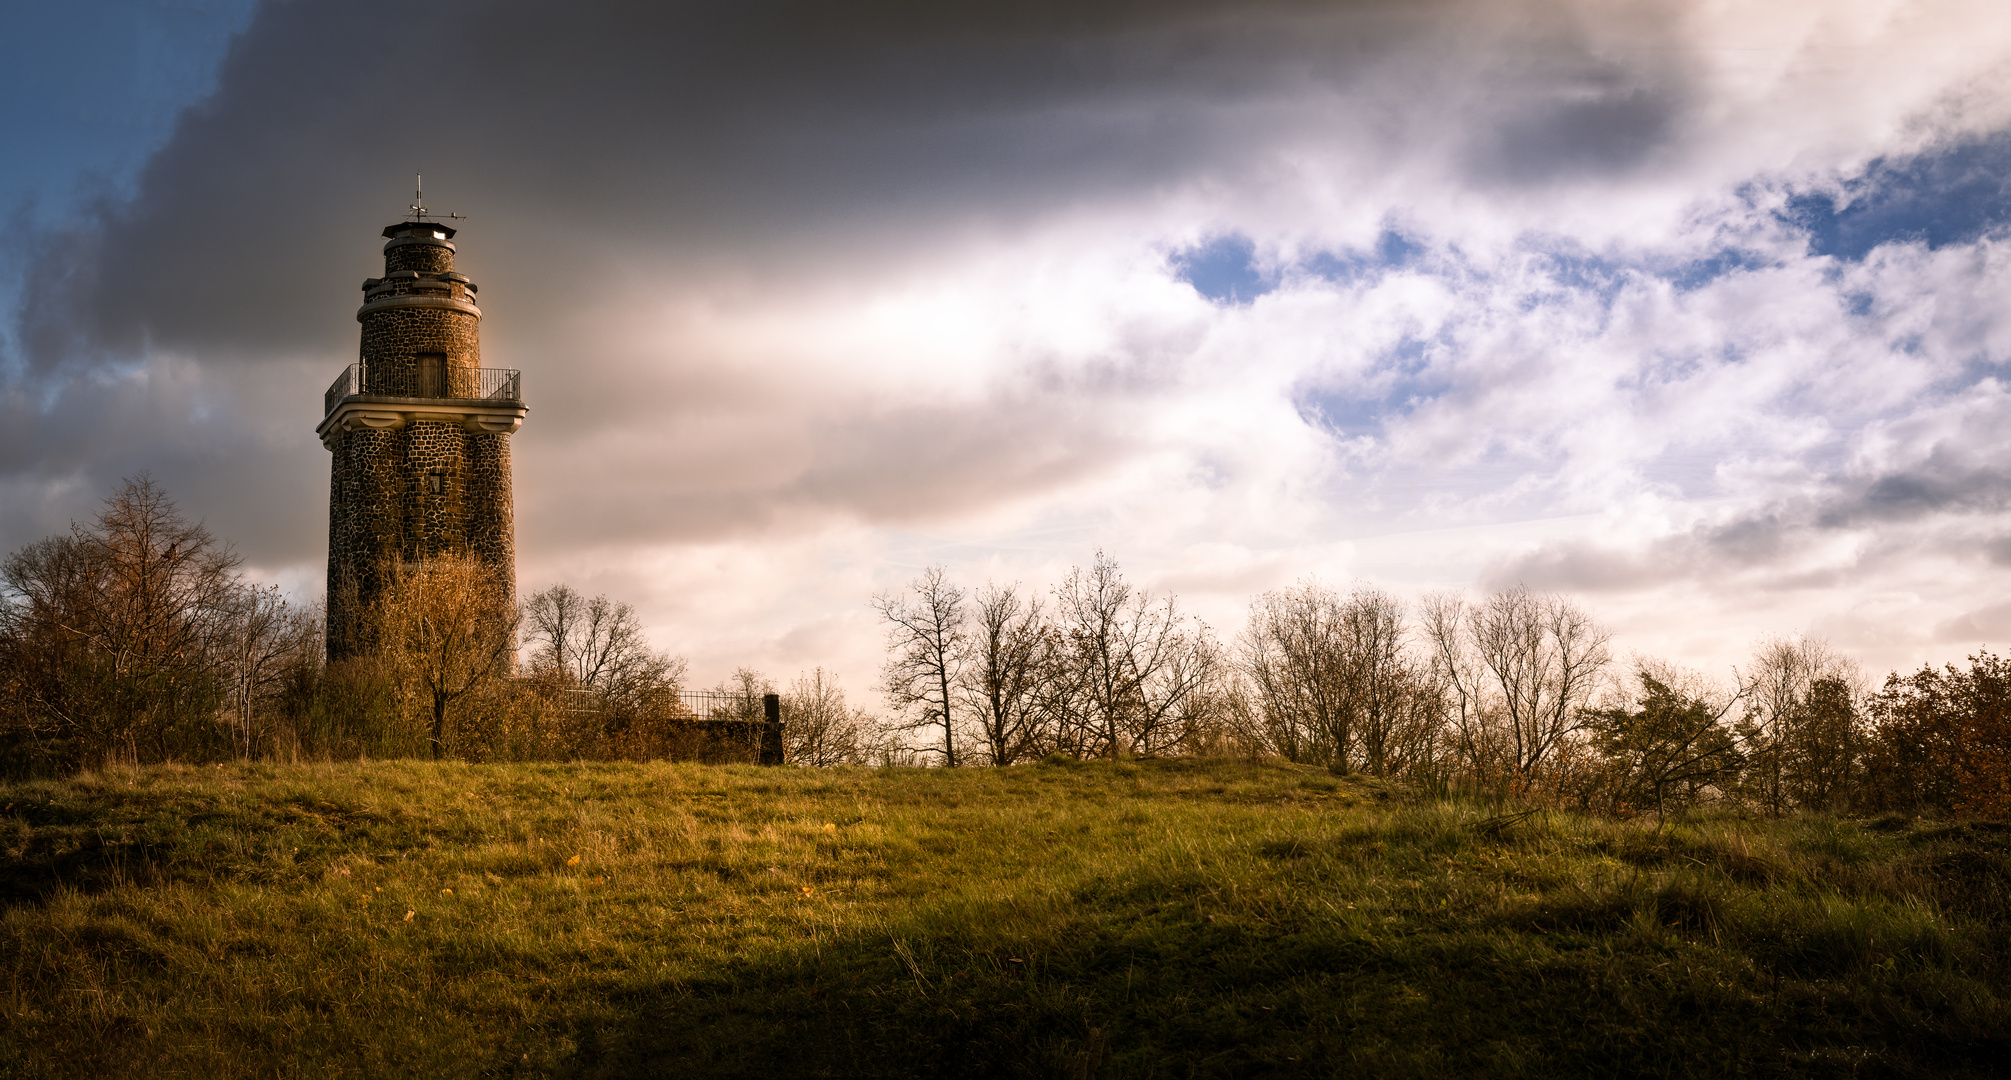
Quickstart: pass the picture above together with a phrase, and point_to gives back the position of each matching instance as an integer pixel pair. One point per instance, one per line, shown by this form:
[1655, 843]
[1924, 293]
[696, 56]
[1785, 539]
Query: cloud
[808, 294]
[1601, 124]
[1951, 503]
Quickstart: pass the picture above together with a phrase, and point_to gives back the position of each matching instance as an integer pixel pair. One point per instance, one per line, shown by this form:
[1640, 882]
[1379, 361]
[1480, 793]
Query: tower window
[436, 480]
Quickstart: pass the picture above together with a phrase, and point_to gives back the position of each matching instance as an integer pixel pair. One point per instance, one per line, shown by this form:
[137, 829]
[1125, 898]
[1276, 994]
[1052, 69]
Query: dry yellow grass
[1127, 919]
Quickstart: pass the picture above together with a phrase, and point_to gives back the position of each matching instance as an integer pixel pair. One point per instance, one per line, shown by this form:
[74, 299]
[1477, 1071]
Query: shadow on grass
[1168, 992]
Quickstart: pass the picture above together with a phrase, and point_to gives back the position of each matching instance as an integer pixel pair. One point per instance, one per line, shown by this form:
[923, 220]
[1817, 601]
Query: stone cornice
[391, 413]
[417, 301]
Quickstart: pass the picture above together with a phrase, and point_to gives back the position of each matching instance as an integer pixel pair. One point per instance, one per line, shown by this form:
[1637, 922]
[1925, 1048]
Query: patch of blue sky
[1392, 251]
[1975, 369]
[1395, 386]
[1697, 273]
[1580, 274]
[1587, 273]
[95, 87]
[1948, 195]
[1224, 269]
[89, 90]
[1346, 414]
[1576, 274]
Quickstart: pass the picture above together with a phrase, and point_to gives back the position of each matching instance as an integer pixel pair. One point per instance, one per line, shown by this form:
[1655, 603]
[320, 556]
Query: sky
[1694, 312]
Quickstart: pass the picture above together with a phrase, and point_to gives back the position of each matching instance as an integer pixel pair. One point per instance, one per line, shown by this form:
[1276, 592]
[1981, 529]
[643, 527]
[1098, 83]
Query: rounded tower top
[425, 246]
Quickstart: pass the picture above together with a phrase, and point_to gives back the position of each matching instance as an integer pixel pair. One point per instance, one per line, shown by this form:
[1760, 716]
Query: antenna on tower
[418, 207]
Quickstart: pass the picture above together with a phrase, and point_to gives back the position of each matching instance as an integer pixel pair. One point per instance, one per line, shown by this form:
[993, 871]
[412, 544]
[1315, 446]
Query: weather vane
[418, 211]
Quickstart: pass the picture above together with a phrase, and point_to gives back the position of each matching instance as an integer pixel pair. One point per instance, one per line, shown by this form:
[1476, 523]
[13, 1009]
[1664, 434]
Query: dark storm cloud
[698, 143]
[896, 465]
[810, 131]
[1946, 486]
[1940, 485]
[1609, 125]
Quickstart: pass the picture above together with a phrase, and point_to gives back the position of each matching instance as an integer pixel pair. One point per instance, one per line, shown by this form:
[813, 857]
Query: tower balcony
[478, 399]
[459, 384]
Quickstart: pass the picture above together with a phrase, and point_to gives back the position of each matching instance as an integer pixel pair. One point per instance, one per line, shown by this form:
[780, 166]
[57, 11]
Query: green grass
[1114, 920]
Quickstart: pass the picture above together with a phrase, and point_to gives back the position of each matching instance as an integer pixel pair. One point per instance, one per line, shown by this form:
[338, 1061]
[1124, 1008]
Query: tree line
[137, 638]
[1516, 692]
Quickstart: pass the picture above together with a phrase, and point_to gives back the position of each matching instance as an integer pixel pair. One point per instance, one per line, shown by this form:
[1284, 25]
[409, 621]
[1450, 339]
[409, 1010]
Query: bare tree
[1800, 728]
[119, 633]
[1010, 656]
[597, 645]
[1518, 667]
[818, 728]
[1335, 679]
[742, 692]
[270, 645]
[448, 631]
[1297, 655]
[1134, 661]
[1391, 693]
[927, 638]
[1474, 721]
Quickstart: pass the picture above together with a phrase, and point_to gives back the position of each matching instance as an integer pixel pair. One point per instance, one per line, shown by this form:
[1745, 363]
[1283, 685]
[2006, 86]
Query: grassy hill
[1062, 919]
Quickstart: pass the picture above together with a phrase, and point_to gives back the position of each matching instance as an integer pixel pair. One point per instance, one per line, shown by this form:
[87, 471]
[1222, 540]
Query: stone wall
[490, 518]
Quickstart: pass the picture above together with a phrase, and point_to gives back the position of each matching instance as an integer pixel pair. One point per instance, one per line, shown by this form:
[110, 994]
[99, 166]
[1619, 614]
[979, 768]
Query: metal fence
[720, 718]
[424, 380]
[671, 705]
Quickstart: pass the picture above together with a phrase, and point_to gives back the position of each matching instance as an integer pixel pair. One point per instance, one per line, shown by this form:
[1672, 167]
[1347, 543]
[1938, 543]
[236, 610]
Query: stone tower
[420, 432]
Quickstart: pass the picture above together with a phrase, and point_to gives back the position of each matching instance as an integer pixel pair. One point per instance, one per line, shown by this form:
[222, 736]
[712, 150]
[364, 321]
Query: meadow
[1073, 919]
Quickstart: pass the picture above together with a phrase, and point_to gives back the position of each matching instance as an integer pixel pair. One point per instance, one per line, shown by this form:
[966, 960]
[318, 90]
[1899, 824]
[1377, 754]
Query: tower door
[432, 375]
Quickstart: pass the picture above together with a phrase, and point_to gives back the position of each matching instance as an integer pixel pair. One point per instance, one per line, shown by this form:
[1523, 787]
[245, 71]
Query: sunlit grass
[1130, 919]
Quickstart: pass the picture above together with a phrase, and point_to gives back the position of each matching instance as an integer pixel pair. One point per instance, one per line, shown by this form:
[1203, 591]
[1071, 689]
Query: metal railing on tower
[425, 381]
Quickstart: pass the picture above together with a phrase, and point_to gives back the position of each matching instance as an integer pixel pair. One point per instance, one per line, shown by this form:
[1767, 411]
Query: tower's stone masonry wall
[365, 530]
[435, 521]
[491, 516]
[382, 507]
[427, 258]
[397, 336]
